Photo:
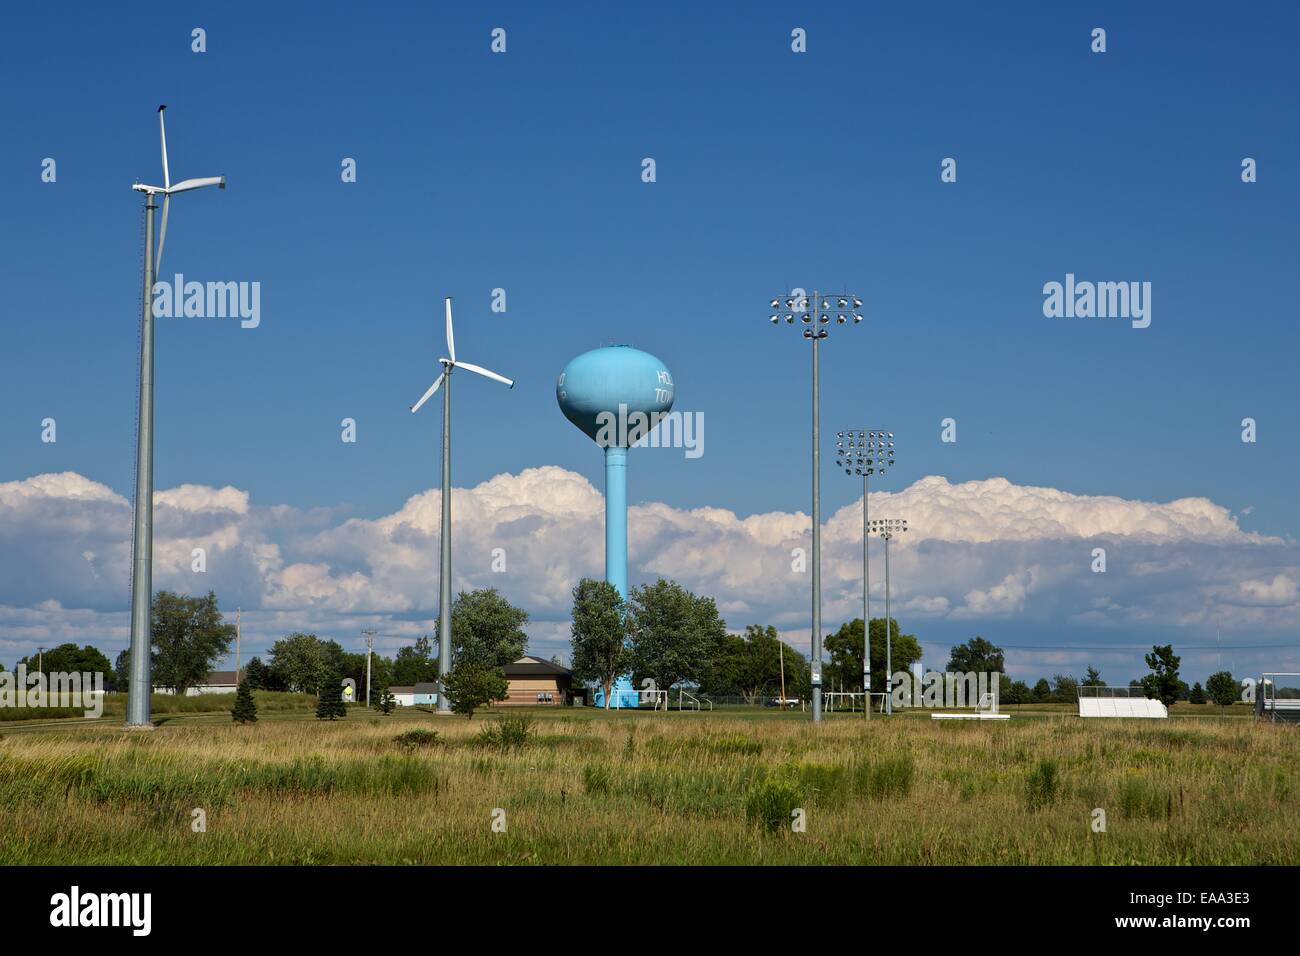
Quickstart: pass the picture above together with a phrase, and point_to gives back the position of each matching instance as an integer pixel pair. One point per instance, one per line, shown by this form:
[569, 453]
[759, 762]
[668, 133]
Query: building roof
[402, 689]
[215, 678]
[534, 667]
[426, 687]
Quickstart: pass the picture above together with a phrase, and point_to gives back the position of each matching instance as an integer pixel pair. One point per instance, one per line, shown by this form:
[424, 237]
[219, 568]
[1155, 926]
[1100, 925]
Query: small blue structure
[623, 694]
[425, 693]
[615, 396]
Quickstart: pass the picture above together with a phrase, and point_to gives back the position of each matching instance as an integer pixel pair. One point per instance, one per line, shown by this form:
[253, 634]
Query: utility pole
[781, 650]
[369, 632]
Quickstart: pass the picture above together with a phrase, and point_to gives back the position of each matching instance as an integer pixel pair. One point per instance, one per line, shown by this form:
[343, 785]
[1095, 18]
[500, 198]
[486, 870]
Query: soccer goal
[847, 699]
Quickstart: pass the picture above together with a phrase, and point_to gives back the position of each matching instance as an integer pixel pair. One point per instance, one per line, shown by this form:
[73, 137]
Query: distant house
[425, 693]
[403, 695]
[532, 680]
[217, 682]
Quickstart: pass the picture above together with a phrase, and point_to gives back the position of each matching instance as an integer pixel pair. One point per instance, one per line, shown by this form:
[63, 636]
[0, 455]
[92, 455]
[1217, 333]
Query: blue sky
[774, 169]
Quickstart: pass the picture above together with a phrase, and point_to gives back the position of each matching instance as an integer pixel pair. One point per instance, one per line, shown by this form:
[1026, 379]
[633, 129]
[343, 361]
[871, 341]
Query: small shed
[403, 694]
[425, 692]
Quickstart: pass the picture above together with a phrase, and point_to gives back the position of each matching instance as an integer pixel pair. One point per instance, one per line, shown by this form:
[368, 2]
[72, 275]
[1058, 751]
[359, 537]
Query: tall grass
[652, 788]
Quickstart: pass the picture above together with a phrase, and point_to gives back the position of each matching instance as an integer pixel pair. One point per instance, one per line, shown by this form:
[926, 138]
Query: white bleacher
[1100, 702]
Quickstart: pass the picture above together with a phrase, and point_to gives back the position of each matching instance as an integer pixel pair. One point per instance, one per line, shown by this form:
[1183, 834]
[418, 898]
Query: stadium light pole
[887, 528]
[865, 452]
[815, 313]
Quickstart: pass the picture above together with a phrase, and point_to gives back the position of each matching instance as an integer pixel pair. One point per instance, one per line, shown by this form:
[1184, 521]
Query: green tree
[415, 663]
[976, 656]
[1014, 691]
[1162, 683]
[749, 665]
[1092, 678]
[122, 671]
[381, 697]
[258, 675]
[845, 649]
[245, 709]
[189, 637]
[330, 703]
[1042, 692]
[298, 662]
[486, 629]
[1197, 695]
[1065, 689]
[1222, 688]
[674, 634]
[69, 659]
[599, 634]
[473, 684]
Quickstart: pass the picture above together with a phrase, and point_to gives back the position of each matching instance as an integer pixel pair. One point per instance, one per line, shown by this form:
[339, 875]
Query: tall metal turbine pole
[139, 687]
[448, 364]
[865, 452]
[139, 684]
[887, 528]
[816, 313]
[444, 563]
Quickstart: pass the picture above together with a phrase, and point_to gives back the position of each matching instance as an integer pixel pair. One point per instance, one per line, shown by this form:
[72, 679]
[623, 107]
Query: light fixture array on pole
[865, 452]
[887, 528]
[816, 313]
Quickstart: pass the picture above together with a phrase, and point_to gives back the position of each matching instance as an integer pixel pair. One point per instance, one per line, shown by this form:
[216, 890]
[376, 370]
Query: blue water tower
[615, 396]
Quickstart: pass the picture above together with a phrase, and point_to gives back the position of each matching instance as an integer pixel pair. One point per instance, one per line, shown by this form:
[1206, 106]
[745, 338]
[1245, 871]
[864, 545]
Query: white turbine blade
[187, 184]
[429, 394]
[451, 340]
[162, 132]
[483, 371]
[162, 233]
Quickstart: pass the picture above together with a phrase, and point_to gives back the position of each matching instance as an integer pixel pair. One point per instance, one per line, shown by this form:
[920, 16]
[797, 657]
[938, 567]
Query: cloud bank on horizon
[978, 553]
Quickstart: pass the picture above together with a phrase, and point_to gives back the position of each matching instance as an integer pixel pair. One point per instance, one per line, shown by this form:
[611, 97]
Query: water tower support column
[616, 518]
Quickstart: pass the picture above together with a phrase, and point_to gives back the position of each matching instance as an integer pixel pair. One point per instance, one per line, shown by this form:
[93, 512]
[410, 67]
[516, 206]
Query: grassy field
[581, 786]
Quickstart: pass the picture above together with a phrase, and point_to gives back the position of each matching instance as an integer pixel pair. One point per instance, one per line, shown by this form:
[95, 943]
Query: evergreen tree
[382, 697]
[245, 709]
[331, 704]
[1197, 695]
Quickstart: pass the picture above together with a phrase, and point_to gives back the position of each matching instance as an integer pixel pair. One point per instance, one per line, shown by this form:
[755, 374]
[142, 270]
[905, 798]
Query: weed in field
[1138, 798]
[596, 779]
[772, 802]
[1042, 784]
[884, 777]
[512, 733]
[416, 739]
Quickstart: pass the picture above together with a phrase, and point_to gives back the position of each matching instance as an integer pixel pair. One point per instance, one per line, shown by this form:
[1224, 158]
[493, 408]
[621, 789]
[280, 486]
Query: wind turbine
[140, 686]
[444, 534]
